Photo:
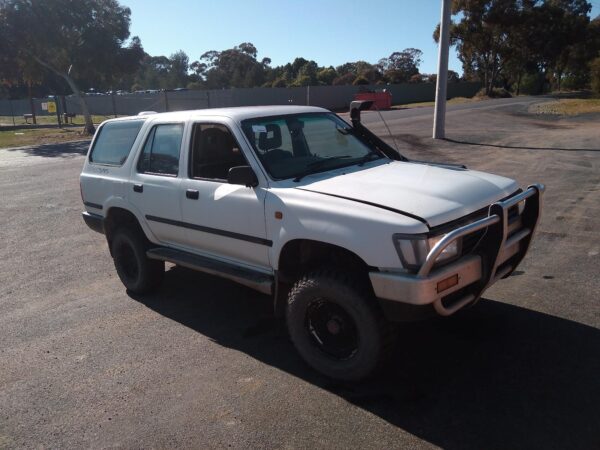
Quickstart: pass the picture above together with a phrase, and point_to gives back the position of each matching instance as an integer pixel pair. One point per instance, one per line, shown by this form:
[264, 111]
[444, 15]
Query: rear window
[114, 141]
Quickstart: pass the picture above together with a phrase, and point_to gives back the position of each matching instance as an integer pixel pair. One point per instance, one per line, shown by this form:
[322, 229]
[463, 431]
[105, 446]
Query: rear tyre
[137, 272]
[337, 327]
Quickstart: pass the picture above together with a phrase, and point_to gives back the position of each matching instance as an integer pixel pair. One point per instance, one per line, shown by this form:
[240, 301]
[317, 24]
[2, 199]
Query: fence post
[57, 111]
[12, 112]
[166, 101]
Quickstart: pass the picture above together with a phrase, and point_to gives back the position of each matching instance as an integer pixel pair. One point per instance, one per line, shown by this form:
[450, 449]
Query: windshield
[296, 145]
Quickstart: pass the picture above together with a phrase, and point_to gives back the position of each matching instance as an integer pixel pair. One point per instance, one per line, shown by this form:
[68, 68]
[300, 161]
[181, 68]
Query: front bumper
[501, 249]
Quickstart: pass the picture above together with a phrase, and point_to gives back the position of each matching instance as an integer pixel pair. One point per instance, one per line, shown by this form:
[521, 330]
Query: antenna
[386, 126]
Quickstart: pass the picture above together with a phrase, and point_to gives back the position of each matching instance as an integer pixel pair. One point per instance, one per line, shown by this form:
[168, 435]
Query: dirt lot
[203, 364]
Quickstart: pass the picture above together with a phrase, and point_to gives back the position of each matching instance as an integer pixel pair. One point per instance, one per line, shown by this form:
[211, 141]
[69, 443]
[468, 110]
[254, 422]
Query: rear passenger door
[156, 182]
[222, 219]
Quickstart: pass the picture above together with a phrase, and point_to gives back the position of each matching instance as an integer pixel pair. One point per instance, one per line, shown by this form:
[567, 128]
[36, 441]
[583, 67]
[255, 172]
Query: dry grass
[50, 120]
[20, 138]
[569, 107]
[452, 101]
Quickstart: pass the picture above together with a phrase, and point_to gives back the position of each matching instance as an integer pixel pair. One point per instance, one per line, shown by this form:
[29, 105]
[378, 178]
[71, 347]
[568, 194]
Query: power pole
[439, 118]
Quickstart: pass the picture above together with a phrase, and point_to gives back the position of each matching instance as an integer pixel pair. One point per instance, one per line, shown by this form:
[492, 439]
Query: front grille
[471, 241]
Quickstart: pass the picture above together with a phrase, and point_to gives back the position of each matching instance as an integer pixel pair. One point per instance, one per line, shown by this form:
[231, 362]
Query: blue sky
[331, 32]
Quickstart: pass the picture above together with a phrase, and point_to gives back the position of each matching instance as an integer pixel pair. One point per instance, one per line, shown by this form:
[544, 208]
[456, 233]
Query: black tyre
[138, 273]
[337, 327]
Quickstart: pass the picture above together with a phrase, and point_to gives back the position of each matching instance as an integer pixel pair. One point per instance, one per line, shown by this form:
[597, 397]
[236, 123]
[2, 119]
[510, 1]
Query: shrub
[279, 82]
[494, 93]
[532, 84]
[360, 80]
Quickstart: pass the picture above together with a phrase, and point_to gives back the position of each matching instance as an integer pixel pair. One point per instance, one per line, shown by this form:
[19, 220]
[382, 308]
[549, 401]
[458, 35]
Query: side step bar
[248, 277]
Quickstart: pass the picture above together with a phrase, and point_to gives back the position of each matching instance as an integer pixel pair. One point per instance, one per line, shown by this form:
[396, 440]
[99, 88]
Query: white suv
[344, 233]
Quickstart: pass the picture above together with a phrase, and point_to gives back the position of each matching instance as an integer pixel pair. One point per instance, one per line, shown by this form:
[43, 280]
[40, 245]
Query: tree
[360, 81]
[74, 39]
[595, 75]
[345, 79]
[481, 36]
[399, 67]
[178, 69]
[326, 75]
[500, 40]
[234, 67]
[153, 73]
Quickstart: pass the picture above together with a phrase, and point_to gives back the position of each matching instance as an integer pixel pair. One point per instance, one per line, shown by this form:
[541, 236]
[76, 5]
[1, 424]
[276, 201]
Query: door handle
[192, 194]
[138, 188]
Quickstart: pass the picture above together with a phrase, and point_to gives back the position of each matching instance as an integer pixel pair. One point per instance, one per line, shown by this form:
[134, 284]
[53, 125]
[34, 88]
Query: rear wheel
[337, 327]
[137, 272]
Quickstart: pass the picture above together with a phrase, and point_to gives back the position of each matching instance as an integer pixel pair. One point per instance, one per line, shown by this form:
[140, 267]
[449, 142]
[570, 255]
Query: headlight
[413, 250]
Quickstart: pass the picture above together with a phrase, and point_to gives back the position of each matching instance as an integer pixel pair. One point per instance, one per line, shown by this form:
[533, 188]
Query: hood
[436, 194]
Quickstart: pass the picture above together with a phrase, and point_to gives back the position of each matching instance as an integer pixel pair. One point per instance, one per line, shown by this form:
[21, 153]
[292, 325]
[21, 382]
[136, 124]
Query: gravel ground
[203, 364]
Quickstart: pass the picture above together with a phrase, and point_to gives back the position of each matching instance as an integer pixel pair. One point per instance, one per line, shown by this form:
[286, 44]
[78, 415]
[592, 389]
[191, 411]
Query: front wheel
[337, 327]
[137, 272]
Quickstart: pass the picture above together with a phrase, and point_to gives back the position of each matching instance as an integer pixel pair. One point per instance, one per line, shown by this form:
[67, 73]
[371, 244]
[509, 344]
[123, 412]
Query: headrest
[213, 136]
[271, 138]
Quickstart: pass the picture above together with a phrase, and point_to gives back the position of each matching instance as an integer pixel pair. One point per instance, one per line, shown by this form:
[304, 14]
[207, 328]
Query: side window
[160, 155]
[214, 151]
[114, 141]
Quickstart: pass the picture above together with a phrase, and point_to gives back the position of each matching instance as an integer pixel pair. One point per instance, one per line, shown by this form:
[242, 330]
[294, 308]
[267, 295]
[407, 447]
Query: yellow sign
[51, 107]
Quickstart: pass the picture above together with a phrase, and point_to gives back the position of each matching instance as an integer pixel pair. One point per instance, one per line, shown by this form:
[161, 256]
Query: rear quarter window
[114, 141]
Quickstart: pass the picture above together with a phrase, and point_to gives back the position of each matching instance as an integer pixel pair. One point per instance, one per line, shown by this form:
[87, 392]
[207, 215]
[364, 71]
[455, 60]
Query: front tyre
[337, 327]
[137, 272]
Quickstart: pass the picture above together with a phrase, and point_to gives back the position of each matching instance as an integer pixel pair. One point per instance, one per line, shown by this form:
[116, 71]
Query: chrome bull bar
[497, 248]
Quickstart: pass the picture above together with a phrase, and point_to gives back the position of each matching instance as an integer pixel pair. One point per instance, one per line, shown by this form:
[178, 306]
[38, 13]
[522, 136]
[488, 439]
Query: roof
[236, 113]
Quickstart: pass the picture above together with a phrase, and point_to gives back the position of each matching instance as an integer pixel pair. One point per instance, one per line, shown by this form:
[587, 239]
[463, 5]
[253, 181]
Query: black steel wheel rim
[331, 329]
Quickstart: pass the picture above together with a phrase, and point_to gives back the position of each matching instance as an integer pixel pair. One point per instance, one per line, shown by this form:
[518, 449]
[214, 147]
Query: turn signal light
[447, 283]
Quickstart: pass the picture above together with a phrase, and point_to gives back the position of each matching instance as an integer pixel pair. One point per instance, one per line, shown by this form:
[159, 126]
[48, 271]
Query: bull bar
[500, 251]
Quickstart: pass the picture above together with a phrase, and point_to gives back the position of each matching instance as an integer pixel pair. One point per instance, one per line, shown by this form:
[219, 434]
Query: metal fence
[330, 97]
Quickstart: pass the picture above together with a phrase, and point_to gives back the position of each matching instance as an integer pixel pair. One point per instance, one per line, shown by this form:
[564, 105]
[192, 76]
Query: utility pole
[439, 118]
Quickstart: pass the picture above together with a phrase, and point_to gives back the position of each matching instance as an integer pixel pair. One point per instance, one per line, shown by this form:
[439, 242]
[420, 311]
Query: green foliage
[302, 80]
[326, 75]
[279, 82]
[494, 93]
[360, 80]
[532, 83]
[399, 67]
[345, 79]
[500, 40]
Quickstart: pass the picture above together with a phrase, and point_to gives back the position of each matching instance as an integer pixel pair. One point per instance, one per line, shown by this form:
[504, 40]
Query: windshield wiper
[318, 164]
[344, 131]
[368, 157]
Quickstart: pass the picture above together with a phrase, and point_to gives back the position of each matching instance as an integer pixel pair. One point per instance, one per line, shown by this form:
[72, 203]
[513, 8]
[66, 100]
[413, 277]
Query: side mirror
[243, 175]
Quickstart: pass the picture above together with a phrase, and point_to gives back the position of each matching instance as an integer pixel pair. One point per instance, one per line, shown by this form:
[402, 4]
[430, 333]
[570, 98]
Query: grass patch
[452, 101]
[21, 138]
[51, 120]
[569, 107]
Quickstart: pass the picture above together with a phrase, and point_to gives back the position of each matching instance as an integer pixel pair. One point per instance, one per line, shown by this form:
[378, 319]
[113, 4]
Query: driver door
[224, 220]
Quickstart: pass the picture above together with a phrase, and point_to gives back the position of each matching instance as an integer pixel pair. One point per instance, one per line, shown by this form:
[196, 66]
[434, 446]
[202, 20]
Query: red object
[382, 100]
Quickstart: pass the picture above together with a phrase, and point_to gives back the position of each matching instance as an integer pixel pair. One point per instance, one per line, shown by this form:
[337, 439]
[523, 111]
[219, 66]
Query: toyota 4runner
[346, 235]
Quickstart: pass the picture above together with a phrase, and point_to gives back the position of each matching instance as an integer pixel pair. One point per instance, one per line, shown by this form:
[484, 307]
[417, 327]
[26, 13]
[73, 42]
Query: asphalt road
[203, 364]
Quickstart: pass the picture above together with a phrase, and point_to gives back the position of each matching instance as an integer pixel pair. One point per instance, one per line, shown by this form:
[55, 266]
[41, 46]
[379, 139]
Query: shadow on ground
[62, 150]
[494, 376]
[517, 147]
